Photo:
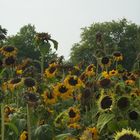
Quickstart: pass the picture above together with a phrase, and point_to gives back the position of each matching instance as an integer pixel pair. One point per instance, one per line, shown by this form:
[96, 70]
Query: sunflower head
[127, 134]
[10, 61]
[8, 51]
[117, 56]
[30, 83]
[74, 114]
[105, 102]
[105, 83]
[133, 115]
[105, 61]
[123, 103]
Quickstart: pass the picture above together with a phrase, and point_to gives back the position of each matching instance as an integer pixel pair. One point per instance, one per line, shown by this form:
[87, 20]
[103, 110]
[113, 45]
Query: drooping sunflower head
[73, 81]
[133, 115]
[105, 102]
[123, 103]
[117, 56]
[90, 70]
[105, 83]
[30, 83]
[42, 37]
[10, 61]
[105, 61]
[8, 51]
[74, 114]
[127, 134]
[51, 71]
[63, 91]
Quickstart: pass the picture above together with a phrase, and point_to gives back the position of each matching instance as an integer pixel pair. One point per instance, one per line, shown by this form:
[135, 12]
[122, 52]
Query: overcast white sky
[64, 18]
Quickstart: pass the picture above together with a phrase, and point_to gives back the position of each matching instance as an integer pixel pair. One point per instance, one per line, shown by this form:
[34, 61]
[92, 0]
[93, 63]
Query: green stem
[28, 123]
[2, 121]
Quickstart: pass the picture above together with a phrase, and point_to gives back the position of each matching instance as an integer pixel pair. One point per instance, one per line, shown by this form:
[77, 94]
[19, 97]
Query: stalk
[2, 121]
[28, 123]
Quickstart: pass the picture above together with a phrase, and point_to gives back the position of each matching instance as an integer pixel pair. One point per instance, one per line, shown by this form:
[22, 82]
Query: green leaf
[123, 124]
[62, 136]
[55, 43]
[104, 119]
[12, 127]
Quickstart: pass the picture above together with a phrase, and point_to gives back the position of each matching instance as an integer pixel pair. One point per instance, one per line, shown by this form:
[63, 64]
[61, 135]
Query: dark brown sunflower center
[52, 69]
[127, 137]
[105, 82]
[105, 60]
[15, 81]
[106, 102]
[29, 82]
[90, 68]
[123, 103]
[9, 49]
[10, 60]
[73, 81]
[117, 54]
[133, 115]
[63, 89]
[72, 114]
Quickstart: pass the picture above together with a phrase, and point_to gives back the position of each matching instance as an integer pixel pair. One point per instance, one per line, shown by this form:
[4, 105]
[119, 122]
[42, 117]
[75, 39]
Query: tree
[3, 33]
[24, 41]
[108, 37]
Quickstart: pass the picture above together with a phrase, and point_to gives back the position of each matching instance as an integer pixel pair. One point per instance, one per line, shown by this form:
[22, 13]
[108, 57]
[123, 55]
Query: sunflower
[130, 82]
[42, 37]
[9, 61]
[24, 135]
[51, 71]
[63, 91]
[15, 83]
[30, 83]
[117, 56]
[123, 103]
[133, 115]
[105, 102]
[74, 114]
[113, 73]
[127, 134]
[90, 134]
[90, 70]
[105, 62]
[49, 97]
[105, 83]
[105, 74]
[73, 81]
[8, 51]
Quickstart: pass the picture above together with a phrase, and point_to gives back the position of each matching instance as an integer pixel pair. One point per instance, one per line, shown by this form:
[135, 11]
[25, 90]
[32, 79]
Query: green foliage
[119, 35]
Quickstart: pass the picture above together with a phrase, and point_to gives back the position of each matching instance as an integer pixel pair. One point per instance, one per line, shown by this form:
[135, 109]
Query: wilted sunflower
[105, 102]
[30, 83]
[105, 62]
[130, 82]
[49, 97]
[8, 51]
[42, 37]
[63, 91]
[123, 103]
[117, 56]
[24, 135]
[90, 134]
[74, 114]
[72, 81]
[127, 134]
[51, 70]
[9, 61]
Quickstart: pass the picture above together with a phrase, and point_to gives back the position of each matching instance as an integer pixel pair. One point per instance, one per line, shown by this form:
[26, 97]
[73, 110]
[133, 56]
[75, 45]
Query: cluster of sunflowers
[98, 102]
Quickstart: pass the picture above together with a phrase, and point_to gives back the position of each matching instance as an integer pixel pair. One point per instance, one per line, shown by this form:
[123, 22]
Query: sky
[63, 19]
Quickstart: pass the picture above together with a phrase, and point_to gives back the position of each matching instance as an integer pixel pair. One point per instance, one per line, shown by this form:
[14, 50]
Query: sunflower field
[58, 101]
